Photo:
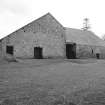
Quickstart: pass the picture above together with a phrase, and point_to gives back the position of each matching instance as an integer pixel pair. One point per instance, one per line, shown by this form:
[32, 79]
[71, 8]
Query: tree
[86, 25]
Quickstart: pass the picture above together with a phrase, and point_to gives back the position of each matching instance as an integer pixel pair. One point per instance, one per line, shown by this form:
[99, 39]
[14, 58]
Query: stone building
[42, 38]
[47, 38]
[84, 44]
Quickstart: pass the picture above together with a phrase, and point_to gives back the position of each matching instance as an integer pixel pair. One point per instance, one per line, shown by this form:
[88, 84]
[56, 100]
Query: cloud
[15, 13]
[18, 7]
[12, 15]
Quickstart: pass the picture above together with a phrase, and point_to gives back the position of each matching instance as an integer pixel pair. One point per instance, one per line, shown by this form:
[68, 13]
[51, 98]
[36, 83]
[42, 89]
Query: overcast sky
[70, 13]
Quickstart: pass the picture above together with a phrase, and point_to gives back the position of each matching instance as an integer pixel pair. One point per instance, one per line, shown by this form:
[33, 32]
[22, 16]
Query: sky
[70, 13]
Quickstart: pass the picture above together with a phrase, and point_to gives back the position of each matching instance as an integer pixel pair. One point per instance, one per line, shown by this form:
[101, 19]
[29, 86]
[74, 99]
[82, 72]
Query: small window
[9, 50]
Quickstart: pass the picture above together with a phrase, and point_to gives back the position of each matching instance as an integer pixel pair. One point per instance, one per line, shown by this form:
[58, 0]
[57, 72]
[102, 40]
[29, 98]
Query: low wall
[88, 51]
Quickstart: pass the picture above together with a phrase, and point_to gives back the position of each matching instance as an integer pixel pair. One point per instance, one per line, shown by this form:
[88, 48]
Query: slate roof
[83, 37]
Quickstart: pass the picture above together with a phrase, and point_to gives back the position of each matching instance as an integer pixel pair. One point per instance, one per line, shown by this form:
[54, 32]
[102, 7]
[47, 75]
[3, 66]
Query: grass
[52, 82]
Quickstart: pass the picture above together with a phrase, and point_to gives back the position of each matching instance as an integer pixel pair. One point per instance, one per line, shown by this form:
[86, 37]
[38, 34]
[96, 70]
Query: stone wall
[0, 49]
[45, 32]
[88, 51]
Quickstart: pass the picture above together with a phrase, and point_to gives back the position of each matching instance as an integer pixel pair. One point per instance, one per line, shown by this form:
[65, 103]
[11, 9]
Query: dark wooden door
[71, 51]
[9, 50]
[38, 53]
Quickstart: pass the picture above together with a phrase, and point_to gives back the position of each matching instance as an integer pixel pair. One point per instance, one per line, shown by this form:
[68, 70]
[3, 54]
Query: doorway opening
[9, 50]
[38, 53]
[97, 55]
[71, 50]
